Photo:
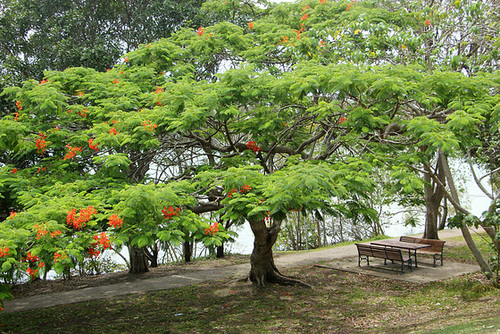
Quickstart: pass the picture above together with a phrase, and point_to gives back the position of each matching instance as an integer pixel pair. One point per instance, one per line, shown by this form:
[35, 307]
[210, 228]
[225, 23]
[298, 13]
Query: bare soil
[39, 286]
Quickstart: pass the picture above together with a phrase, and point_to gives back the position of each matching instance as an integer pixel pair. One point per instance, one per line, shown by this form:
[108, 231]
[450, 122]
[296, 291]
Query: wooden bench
[386, 253]
[436, 249]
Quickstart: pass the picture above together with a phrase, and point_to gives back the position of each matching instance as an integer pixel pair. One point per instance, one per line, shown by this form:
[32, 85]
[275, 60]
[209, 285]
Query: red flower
[159, 90]
[304, 17]
[305, 8]
[41, 144]
[342, 120]
[4, 252]
[348, 6]
[43, 82]
[253, 146]
[18, 105]
[12, 215]
[92, 145]
[72, 152]
[113, 131]
[149, 126]
[80, 220]
[32, 258]
[83, 113]
[245, 188]
[14, 170]
[116, 81]
[59, 256]
[427, 22]
[170, 212]
[322, 1]
[115, 221]
[250, 25]
[200, 31]
[213, 229]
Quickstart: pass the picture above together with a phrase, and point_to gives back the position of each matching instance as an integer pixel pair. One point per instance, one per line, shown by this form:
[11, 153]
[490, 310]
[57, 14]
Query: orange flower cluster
[14, 171]
[32, 258]
[253, 146]
[213, 229]
[244, 189]
[113, 131]
[93, 251]
[59, 256]
[40, 231]
[115, 221]
[349, 5]
[159, 90]
[342, 120]
[4, 252]
[12, 215]
[32, 273]
[148, 125]
[116, 81]
[83, 113]
[72, 152]
[305, 8]
[427, 23]
[41, 169]
[18, 105]
[303, 18]
[41, 144]
[80, 220]
[92, 145]
[322, 2]
[250, 25]
[170, 212]
[103, 240]
[200, 31]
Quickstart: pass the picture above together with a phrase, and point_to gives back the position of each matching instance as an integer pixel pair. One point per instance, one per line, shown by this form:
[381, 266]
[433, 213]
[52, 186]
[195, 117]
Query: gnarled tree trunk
[138, 260]
[263, 270]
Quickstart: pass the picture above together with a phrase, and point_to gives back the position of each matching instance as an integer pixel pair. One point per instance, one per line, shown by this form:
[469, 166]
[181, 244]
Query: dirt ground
[39, 287]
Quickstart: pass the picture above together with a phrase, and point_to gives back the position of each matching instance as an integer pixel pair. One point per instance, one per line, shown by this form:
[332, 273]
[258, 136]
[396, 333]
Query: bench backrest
[436, 245]
[408, 239]
[380, 252]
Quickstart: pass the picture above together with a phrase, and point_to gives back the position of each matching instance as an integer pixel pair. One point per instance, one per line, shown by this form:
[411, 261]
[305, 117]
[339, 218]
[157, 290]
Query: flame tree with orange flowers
[301, 110]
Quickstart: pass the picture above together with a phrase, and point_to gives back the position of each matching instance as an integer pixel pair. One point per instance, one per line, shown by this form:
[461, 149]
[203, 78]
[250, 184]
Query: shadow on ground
[425, 272]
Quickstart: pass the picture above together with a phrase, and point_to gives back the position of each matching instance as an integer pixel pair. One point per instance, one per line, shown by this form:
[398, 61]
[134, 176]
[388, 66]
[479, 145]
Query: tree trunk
[187, 250]
[444, 215]
[152, 256]
[220, 252]
[138, 260]
[455, 201]
[433, 196]
[262, 267]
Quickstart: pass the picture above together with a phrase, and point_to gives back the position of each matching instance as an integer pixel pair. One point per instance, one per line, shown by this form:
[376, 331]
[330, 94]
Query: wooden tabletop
[400, 244]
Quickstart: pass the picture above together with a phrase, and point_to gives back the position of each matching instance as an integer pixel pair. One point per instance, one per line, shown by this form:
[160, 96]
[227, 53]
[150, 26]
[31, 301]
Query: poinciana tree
[293, 111]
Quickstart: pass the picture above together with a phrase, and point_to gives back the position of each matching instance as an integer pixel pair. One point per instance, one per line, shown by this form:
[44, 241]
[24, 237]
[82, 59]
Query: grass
[340, 302]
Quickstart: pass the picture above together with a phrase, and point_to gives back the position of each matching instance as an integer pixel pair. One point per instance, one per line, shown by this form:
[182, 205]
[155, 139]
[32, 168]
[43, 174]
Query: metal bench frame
[386, 253]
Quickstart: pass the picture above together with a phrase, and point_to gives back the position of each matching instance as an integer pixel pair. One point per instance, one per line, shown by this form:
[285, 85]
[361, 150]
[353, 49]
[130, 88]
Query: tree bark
[455, 201]
[220, 252]
[262, 267]
[138, 260]
[187, 250]
[433, 197]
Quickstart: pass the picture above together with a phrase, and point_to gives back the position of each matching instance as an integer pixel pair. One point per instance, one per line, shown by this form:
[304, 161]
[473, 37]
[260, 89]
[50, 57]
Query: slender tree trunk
[152, 255]
[433, 197]
[138, 260]
[444, 215]
[262, 267]
[455, 200]
[220, 251]
[187, 250]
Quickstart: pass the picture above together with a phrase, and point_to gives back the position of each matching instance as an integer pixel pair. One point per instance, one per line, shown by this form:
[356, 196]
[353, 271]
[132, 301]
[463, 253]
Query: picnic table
[410, 246]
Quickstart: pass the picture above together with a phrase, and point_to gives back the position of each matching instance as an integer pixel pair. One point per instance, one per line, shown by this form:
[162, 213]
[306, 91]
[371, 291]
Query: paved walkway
[337, 258]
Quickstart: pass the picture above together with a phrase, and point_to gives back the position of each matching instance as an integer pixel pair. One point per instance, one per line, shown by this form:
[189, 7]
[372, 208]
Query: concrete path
[343, 256]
